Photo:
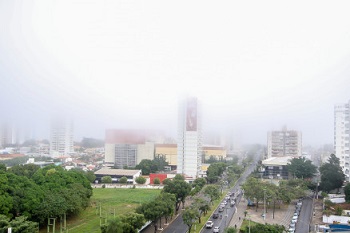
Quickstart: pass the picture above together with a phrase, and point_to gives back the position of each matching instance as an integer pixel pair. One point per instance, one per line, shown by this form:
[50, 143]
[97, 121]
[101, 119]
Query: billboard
[191, 115]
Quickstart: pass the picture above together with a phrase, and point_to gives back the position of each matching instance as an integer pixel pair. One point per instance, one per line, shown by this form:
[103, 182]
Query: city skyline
[255, 66]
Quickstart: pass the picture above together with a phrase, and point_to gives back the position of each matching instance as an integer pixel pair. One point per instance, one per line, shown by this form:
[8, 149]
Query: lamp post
[264, 214]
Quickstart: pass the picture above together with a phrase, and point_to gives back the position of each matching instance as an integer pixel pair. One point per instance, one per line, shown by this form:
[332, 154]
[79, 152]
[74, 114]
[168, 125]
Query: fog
[255, 66]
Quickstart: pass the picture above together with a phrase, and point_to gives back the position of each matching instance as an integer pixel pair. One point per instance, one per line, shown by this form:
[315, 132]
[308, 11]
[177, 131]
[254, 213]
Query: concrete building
[61, 137]
[284, 143]
[129, 147]
[275, 167]
[189, 145]
[342, 135]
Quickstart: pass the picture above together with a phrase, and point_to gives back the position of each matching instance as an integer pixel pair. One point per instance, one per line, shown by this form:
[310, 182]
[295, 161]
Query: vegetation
[141, 180]
[301, 168]
[332, 176]
[179, 187]
[263, 228]
[148, 166]
[214, 171]
[18, 225]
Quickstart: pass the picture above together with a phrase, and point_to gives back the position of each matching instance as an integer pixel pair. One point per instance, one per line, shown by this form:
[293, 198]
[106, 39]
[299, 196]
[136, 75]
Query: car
[232, 203]
[209, 224]
[215, 215]
[291, 230]
[216, 229]
[221, 209]
[295, 218]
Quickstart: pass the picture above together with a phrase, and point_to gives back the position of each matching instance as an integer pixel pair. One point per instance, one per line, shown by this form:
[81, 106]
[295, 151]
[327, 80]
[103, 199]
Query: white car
[216, 229]
[209, 224]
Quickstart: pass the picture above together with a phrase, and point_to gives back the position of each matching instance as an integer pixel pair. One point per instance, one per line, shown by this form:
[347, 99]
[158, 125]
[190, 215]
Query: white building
[189, 145]
[342, 135]
[61, 137]
[284, 143]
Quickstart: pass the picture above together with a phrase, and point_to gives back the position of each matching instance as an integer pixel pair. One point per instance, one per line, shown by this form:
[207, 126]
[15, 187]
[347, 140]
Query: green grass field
[110, 201]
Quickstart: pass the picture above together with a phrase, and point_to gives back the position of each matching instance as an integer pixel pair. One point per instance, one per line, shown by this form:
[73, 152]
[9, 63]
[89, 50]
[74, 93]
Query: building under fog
[61, 137]
[189, 145]
[126, 148]
[284, 143]
[342, 135]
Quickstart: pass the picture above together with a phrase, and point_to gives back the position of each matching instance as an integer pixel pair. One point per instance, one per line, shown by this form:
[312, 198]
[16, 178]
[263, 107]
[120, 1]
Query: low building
[275, 167]
[116, 174]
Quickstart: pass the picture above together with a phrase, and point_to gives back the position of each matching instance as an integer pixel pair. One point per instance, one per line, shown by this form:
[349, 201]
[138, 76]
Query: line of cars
[229, 198]
[294, 221]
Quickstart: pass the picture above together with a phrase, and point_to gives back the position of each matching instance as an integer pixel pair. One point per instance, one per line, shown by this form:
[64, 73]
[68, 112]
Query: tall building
[61, 137]
[284, 143]
[189, 145]
[342, 135]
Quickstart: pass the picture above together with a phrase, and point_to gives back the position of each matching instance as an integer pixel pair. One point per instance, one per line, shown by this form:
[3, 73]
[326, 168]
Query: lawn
[108, 202]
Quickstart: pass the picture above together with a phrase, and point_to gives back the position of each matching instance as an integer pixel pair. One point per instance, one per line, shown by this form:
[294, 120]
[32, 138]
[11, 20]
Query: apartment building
[284, 143]
[342, 135]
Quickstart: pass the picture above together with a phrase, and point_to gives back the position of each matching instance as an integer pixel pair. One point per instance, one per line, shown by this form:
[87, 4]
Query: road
[304, 218]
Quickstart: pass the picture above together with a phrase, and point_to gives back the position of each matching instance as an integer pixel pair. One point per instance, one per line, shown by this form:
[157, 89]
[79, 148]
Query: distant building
[342, 136]
[275, 167]
[129, 147]
[61, 137]
[189, 145]
[284, 143]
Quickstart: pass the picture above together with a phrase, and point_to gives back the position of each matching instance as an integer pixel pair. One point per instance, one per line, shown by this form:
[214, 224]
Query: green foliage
[212, 191]
[106, 180]
[15, 161]
[230, 230]
[148, 166]
[156, 180]
[263, 228]
[189, 216]
[27, 170]
[90, 176]
[338, 210]
[332, 176]
[214, 171]
[141, 180]
[113, 226]
[123, 180]
[301, 168]
[179, 187]
[347, 192]
[18, 225]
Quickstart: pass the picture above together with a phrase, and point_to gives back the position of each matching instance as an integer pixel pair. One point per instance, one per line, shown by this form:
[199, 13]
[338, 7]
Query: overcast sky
[254, 65]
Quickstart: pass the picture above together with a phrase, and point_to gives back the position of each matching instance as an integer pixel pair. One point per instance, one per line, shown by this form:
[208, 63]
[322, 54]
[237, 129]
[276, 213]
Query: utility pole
[264, 204]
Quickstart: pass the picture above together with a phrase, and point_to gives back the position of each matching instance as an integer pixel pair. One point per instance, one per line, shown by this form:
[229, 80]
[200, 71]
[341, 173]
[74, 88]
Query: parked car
[215, 215]
[216, 229]
[209, 224]
[221, 209]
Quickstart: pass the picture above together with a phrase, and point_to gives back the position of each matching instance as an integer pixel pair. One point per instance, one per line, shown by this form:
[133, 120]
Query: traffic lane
[177, 226]
[303, 223]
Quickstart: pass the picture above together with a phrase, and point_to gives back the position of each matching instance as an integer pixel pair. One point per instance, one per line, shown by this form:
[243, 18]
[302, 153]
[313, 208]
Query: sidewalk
[281, 216]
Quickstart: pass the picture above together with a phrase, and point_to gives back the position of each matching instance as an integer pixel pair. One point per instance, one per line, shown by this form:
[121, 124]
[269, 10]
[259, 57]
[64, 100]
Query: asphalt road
[304, 218]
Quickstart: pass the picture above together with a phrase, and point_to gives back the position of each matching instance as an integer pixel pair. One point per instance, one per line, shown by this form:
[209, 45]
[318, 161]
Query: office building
[126, 148]
[61, 137]
[342, 135]
[284, 143]
[189, 145]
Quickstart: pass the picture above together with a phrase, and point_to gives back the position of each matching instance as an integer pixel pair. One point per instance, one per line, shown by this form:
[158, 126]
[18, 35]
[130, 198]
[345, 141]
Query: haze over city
[254, 66]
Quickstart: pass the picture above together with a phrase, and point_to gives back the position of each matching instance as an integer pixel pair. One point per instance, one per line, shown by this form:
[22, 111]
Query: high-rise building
[61, 137]
[342, 135]
[189, 145]
[284, 143]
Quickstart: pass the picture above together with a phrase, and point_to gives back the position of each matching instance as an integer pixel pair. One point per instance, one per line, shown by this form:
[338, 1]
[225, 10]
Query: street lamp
[264, 214]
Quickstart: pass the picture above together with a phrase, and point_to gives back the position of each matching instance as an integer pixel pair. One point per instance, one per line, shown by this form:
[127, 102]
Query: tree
[114, 225]
[230, 230]
[214, 171]
[202, 206]
[156, 180]
[152, 211]
[212, 191]
[347, 192]
[264, 228]
[180, 188]
[90, 176]
[106, 179]
[132, 222]
[189, 216]
[301, 168]
[160, 162]
[146, 166]
[140, 180]
[332, 176]
[123, 180]
[22, 225]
